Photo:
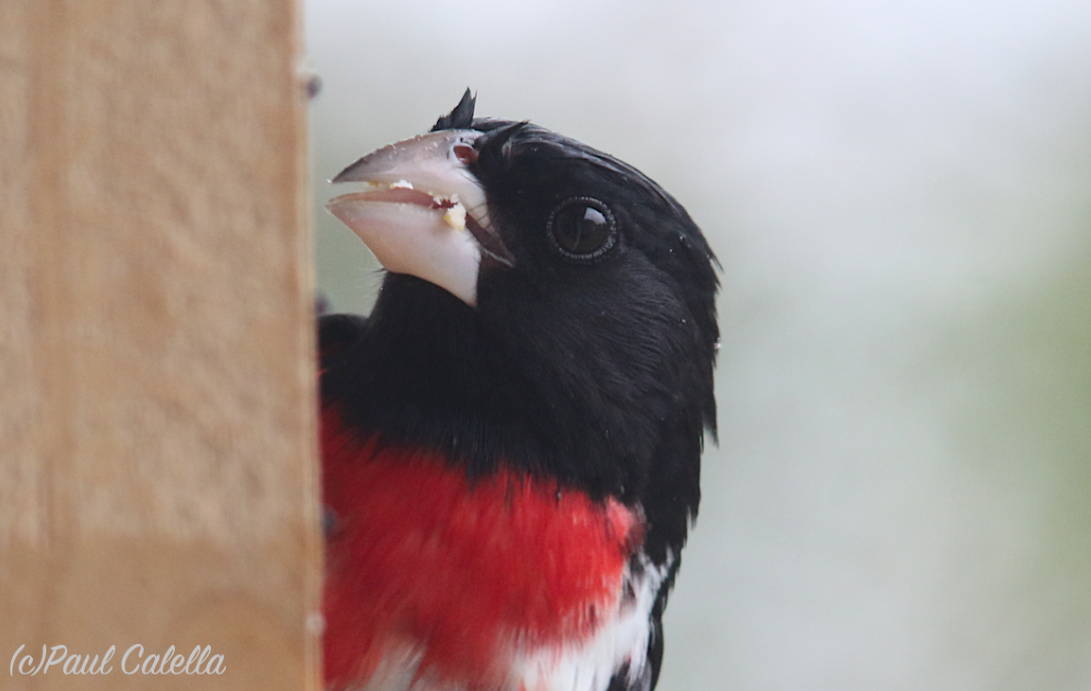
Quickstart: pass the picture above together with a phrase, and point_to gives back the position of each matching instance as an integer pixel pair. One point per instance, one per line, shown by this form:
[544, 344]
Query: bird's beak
[424, 213]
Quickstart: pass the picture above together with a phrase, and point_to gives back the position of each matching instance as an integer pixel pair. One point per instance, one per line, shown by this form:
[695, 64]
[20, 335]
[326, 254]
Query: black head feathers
[461, 117]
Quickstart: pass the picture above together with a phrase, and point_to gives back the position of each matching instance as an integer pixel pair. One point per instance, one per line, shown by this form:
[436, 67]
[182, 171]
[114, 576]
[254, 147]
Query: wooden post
[157, 456]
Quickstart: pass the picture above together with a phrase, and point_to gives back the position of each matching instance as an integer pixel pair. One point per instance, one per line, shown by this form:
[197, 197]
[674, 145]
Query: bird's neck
[427, 372]
[424, 372]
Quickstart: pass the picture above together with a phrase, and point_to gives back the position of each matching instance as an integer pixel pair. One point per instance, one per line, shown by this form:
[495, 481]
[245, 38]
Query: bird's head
[582, 274]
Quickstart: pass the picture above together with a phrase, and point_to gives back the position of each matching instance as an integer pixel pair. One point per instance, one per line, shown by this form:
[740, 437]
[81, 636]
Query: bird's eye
[582, 228]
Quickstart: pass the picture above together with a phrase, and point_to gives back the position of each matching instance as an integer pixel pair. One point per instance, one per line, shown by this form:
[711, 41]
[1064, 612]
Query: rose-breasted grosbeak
[511, 441]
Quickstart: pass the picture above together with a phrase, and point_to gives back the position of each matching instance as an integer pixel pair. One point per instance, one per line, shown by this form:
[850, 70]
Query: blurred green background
[900, 195]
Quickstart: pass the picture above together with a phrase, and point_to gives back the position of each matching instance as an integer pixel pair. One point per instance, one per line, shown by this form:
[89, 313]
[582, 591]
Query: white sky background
[900, 195]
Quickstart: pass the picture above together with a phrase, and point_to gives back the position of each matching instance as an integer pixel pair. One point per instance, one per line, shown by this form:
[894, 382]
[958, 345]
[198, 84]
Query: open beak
[424, 213]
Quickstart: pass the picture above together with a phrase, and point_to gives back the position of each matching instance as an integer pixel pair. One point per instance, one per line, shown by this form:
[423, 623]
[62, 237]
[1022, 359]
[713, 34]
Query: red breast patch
[463, 571]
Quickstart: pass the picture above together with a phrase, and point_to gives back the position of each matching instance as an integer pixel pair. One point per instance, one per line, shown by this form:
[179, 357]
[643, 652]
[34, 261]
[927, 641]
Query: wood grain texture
[157, 454]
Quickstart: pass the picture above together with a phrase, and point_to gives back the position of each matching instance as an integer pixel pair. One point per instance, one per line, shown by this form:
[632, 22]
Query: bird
[511, 439]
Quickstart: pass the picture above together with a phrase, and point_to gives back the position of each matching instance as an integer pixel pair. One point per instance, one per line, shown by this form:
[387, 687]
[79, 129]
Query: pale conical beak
[426, 214]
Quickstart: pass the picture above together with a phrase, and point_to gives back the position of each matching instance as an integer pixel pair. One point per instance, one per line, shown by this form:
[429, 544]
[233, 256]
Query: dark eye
[582, 228]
